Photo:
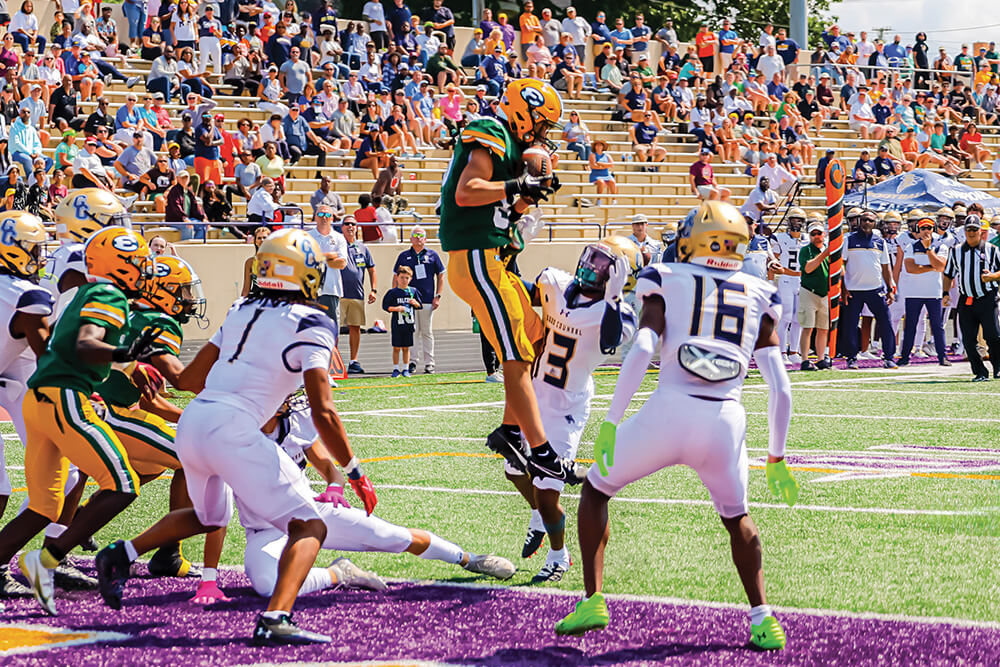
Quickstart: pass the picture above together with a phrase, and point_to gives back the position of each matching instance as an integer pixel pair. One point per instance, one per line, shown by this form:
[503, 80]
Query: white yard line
[912, 418]
[866, 390]
[692, 502]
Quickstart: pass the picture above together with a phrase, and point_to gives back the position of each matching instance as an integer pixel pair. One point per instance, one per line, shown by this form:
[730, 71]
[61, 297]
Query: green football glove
[782, 484]
[604, 447]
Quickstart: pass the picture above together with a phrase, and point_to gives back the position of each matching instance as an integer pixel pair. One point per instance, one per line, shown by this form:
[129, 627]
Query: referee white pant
[210, 48]
[347, 529]
[423, 337]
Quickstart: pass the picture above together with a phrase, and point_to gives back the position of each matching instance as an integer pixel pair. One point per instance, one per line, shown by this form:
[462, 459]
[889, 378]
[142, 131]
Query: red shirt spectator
[365, 216]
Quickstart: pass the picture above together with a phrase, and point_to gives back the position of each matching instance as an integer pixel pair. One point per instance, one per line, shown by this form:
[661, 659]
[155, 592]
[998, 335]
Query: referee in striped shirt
[975, 266]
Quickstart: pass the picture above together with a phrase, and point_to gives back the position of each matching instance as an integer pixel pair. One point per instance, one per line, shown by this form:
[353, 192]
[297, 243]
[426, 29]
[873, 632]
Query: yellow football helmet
[121, 257]
[855, 212]
[175, 289]
[82, 212]
[289, 260]
[945, 212]
[892, 216]
[668, 232]
[22, 236]
[816, 216]
[796, 219]
[915, 214]
[622, 246]
[959, 211]
[715, 236]
[530, 107]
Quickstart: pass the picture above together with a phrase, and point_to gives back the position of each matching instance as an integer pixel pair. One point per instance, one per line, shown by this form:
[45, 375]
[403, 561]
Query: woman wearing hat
[66, 151]
[475, 49]
[600, 170]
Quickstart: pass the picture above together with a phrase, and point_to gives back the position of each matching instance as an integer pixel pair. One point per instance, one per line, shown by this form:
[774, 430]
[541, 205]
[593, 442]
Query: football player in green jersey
[483, 196]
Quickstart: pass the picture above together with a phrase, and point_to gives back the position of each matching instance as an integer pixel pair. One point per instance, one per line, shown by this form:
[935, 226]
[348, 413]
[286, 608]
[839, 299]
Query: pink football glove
[333, 494]
[363, 488]
[209, 593]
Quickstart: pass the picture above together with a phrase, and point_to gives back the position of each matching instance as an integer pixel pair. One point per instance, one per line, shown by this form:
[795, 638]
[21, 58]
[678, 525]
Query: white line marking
[887, 417]
[884, 391]
[706, 503]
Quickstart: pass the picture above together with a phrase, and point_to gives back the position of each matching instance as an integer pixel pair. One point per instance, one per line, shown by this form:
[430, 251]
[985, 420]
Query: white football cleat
[795, 358]
[351, 576]
[493, 566]
[40, 580]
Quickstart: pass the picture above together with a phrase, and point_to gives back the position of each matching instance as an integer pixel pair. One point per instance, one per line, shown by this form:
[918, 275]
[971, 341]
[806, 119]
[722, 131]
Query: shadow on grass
[568, 656]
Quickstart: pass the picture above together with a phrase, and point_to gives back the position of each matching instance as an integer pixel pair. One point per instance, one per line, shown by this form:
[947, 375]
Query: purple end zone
[469, 625]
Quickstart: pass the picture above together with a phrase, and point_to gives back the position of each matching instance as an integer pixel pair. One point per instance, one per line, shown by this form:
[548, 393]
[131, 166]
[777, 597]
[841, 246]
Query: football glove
[334, 494]
[618, 276]
[526, 229]
[147, 379]
[604, 447]
[363, 488]
[529, 187]
[209, 593]
[139, 349]
[782, 484]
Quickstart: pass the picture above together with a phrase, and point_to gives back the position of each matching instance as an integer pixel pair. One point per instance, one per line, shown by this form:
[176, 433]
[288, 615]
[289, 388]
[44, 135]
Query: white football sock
[318, 579]
[758, 614]
[130, 551]
[209, 574]
[442, 549]
[54, 530]
[274, 615]
[536, 522]
[560, 556]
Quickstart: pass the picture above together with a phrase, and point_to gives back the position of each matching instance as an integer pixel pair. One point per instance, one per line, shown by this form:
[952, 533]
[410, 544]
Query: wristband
[120, 355]
[353, 469]
[511, 188]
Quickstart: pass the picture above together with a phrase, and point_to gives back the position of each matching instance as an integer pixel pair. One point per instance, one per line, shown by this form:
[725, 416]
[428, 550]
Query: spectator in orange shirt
[530, 27]
[706, 41]
[230, 150]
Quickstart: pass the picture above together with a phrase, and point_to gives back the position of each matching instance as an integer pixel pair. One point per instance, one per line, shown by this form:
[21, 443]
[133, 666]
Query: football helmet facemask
[796, 219]
[82, 212]
[175, 289]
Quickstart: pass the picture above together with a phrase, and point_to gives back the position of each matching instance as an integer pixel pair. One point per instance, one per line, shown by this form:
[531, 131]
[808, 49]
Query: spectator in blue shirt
[728, 41]
[776, 88]
[884, 166]
[492, 70]
[301, 139]
[882, 110]
[428, 280]
[398, 16]
[640, 34]
[621, 36]
[443, 20]
[788, 49]
[896, 52]
[833, 35]
[600, 33]
[864, 169]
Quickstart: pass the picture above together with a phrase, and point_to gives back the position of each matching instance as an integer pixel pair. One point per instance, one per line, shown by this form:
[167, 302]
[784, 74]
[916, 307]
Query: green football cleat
[590, 614]
[768, 635]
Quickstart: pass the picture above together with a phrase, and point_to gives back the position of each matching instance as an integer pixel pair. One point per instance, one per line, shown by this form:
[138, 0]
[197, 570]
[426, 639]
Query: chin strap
[779, 397]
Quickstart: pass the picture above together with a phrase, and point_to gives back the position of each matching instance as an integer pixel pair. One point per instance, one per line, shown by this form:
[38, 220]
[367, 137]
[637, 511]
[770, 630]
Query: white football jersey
[788, 249]
[17, 295]
[712, 321]
[264, 349]
[575, 333]
[67, 257]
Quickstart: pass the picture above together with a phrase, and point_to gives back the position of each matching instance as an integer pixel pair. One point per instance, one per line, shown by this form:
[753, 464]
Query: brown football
[538, 162]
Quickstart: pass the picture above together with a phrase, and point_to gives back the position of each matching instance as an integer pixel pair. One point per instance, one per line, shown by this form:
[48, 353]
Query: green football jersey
[119, 389]
[95, 303]
[476, 227]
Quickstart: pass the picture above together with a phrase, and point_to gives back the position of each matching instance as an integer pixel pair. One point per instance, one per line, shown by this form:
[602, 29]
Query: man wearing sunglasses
[334, 248]
[923, 263]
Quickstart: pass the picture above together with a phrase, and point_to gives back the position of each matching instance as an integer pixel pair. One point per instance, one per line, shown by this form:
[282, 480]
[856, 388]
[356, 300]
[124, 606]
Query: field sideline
[894, 548]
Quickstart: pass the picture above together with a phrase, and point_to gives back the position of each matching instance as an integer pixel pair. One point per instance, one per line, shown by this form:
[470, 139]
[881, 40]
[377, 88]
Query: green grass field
[899, 510]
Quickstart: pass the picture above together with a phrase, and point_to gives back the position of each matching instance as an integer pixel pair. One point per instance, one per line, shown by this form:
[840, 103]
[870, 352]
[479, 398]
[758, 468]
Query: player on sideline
[347, 528]
[586, 319]
[789, 243]
[271, 342]
[24, 309]
[717, 318]
[174, 297]
[483, 198]
[61, 425]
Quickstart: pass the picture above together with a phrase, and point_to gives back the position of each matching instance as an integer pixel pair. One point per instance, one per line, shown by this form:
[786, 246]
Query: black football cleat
[90, 544]
[532, 542]
[562, 469]
[283, 631]
[113, 570]
[512, 450]
[169, 562]
[69, 578]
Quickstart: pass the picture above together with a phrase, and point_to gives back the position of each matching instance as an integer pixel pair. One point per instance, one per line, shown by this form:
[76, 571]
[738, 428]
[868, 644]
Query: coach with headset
[975, 266]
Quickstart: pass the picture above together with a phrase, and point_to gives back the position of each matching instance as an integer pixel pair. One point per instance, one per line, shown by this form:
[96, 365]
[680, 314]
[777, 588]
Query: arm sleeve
[779, 397]
[617, 326]
[633, 371]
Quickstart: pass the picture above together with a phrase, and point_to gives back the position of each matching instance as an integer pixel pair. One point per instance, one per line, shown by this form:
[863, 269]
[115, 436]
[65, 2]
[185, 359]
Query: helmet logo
[310, 256]
[161, 269]
[80, 208]
[125, 243]
[533, 97]
[7, 233]
[715, 246]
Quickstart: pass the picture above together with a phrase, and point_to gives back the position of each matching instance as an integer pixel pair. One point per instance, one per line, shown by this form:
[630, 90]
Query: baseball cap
[639, 218]
[482, 88]
[91, 142]
[973, 222]
[158, 96]
[186, 114]
[814, 225]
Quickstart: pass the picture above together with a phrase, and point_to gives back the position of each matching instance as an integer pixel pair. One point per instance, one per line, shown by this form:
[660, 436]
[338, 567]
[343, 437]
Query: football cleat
[565, 470]
[11, 587]
[512, 450]
[169, 562]
[590, 614]
[69, 578]
[90, 544]
[493, 566]
[351, 576]
[40, 579]
[768, 634]
[113, 570]
[532, 542]
[552, 572]
[282, 631]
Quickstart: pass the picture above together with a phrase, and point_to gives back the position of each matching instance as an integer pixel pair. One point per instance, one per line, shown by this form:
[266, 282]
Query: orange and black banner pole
[835, 181]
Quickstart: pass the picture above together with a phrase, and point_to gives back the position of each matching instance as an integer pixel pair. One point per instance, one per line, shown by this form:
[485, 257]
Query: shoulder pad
[488, 132]
[35, 301]
[315, 318]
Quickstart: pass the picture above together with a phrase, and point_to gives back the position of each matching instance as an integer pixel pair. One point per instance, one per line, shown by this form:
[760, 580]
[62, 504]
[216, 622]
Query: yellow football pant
[499, 300]
[62, 427]
[148, 439]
